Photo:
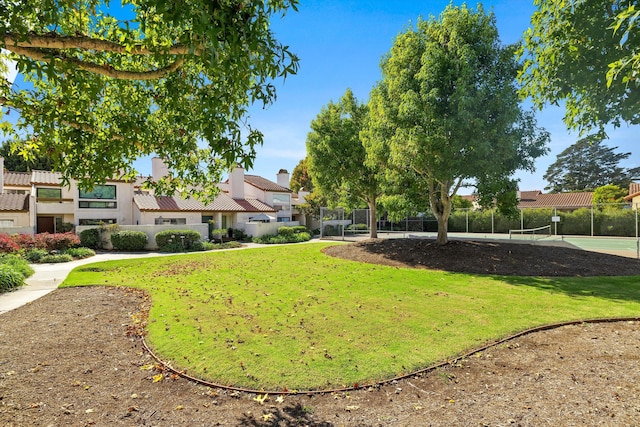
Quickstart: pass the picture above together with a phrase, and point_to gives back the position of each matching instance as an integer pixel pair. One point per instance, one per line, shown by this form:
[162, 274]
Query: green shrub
[35, 255]
[240, 235]
[91, 238]
[129, 240]
[283, 238]
[57, 258]
[10, 278]
[177, 240]
[357, 227]
[218, 234]
[18, 263]
[78, 253]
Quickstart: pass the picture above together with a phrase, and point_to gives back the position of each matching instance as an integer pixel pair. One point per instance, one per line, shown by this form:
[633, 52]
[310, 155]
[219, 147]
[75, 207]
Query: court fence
[616, 220]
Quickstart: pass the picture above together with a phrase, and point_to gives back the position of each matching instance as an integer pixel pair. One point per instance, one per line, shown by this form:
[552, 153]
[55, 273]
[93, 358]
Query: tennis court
[622, 246]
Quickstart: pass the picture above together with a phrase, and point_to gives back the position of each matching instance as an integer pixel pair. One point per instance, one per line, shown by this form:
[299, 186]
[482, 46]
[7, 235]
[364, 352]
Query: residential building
[36, 202]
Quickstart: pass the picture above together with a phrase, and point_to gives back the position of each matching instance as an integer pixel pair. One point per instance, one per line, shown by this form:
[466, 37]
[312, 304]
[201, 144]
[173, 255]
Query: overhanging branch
[105, 70]
[86, 43]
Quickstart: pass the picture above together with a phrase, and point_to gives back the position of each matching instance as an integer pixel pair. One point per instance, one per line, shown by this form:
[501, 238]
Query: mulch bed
[74, 358]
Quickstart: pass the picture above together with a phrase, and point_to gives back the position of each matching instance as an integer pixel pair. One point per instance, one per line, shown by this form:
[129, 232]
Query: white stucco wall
[150, 231]
[123, 213]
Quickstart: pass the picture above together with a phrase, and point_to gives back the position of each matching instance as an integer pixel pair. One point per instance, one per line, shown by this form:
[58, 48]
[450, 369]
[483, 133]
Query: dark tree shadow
[296, 415]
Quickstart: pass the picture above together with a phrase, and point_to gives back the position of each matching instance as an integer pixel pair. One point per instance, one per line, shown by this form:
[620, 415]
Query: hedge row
[608, 222]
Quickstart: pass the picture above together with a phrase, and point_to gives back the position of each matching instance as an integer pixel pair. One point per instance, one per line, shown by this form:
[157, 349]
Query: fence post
[467, 212]
[492, 210]
[591, 220]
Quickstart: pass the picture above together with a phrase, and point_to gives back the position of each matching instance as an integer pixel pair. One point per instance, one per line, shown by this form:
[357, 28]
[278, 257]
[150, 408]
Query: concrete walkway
[48, 277]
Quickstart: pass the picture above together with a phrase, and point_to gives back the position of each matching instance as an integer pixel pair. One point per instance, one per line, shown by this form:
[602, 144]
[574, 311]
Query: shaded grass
[291, 317]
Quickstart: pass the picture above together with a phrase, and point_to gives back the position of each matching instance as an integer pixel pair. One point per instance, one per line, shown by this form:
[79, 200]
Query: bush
[240, 235]
[218, 234]
[57, 241]
[18, 263]
[7, 244]
[79, 253]
[91, 238]
[57, 258]
[9, 278]
[210, 246]
[129, 240]
[177, 240]
[35, 255]
[357, 227]
[284, 238]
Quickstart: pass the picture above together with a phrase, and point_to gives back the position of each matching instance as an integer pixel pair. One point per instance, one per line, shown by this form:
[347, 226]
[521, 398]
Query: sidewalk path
[48, 277]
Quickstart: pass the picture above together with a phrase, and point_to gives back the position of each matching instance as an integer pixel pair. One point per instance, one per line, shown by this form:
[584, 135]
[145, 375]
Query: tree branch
[87, 43]
[105, 70]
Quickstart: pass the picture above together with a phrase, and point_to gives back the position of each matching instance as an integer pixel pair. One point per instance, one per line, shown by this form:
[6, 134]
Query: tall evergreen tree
[587, 165]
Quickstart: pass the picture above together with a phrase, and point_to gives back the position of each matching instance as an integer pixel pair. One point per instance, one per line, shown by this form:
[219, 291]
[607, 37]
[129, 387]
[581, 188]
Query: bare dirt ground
[73, 358]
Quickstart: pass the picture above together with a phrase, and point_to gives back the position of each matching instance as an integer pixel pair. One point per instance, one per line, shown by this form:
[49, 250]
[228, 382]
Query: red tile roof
[634, 191]
[46, 177]
[222, 203]
[558, 200]
[14, 202]
[265, 184]
[17, 179]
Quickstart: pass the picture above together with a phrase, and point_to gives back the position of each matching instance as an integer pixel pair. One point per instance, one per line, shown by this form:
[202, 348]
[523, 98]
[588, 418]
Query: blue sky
[340, 44]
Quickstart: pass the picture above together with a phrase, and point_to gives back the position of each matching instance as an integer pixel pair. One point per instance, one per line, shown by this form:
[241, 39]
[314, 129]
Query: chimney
[158, 169]
[236, 183]
[1, 175]
[283, 178]
[302, 195]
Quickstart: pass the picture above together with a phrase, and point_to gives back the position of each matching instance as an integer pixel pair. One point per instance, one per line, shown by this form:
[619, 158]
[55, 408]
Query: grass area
[291, 317]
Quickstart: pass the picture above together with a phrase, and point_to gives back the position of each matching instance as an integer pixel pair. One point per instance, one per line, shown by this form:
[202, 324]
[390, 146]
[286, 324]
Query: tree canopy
[338, 159]
[449, 111]
[17, 163]
[587, 53]
[107, 84]
[609, 194]
[588, 164]
[300, 177]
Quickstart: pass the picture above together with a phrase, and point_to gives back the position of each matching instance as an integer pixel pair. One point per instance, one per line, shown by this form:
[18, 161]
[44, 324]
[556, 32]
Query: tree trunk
[440, 202]
[372, 220]
[443, 237]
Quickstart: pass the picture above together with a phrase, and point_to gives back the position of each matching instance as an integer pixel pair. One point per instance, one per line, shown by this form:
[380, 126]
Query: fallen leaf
[261, 399]
[157, 378]
[179, 408]
[88, 411]
[280, 399]
[267, 417]
[351, 408]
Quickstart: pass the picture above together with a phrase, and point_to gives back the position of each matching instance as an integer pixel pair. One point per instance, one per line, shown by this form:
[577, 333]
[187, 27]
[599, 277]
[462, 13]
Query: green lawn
[291, 317]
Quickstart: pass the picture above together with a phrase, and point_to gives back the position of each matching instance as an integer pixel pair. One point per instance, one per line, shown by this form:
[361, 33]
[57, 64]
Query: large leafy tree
[300, 177]
[585, 52]
[17, 163]
[449, 102]
[338, 159]
[108, 83]
[588, 164]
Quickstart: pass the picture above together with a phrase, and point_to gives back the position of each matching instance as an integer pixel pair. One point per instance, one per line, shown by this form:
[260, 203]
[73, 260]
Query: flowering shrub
[7, 244]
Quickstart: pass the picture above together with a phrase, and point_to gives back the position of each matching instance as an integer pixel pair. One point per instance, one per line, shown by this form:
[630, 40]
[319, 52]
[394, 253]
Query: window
[85, 204]
[170, 221]
[207, 218]
[100, 192]
[282, 199]
[6, 223]
[49, 193]
[284, 219]
[91, 221]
